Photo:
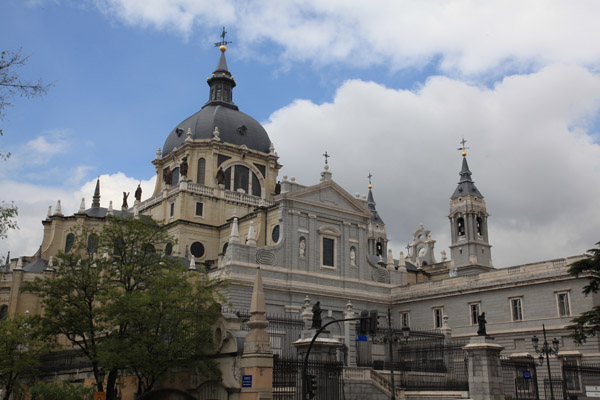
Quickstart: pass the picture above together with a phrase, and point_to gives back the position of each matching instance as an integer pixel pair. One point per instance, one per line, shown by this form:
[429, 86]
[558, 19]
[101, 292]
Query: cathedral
[219, 192]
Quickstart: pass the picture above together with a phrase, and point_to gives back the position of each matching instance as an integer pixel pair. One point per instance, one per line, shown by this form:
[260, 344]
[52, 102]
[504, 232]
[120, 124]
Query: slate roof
[466, 184]
[371, 204]
[220, 111]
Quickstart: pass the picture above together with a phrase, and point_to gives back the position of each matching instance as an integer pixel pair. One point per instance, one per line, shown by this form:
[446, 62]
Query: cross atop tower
[223, 42]
[326, 157]
[463, 147]
[369, 176]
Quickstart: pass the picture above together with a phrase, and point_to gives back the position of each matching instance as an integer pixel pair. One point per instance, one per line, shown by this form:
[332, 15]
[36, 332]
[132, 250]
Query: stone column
[485, 370]
[257, 360]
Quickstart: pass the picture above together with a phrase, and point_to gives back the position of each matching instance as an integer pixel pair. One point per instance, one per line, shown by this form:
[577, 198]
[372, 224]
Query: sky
[385, 87]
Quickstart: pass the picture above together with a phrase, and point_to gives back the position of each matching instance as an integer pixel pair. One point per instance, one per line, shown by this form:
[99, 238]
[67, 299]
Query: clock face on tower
[422, 252]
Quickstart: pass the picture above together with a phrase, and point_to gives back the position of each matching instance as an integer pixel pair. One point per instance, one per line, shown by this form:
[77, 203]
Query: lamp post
[546, 350]
[390, 338]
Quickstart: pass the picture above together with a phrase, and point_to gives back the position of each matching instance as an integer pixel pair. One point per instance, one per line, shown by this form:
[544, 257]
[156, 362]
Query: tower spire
[221, 82]
[470, 247]
[96, 197]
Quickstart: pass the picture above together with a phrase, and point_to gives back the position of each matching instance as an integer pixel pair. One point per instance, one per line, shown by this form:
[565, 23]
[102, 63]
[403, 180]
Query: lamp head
[535, 342]
[555, 344]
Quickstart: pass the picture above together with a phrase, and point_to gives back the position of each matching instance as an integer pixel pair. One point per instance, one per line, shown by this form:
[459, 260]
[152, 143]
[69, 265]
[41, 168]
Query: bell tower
[470, 249]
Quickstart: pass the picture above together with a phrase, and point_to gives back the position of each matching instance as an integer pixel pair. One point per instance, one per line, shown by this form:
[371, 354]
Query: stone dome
[220, 112]
[235, 127]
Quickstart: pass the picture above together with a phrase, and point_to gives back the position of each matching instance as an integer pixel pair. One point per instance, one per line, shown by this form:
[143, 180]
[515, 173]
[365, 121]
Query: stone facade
[231, 214]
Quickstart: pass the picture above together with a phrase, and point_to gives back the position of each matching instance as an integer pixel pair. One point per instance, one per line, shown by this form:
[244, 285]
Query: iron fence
[287, 379]
[579, 378]
[426, 360]
[520, 379]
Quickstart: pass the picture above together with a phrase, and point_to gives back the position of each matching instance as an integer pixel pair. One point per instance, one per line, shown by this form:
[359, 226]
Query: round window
[197, 249]
[275, 234]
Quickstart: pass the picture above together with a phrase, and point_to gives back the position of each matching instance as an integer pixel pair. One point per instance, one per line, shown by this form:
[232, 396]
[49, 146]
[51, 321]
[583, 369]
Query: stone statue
[481, 320]
[277, 188]
[138, 193]
[302, 247]
[352, 256]
[125, 206]
[168, 176]
[220, 176]
[316, 319]
[183, 167]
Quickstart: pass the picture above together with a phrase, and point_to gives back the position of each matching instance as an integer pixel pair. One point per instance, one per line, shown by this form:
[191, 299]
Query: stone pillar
[257, 360]
[350, 335]
[485, 370]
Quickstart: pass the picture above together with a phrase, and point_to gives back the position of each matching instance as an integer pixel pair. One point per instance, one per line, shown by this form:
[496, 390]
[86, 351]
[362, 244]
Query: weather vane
[326, 156]
[463, 147]
[223, 42]
[369, 176]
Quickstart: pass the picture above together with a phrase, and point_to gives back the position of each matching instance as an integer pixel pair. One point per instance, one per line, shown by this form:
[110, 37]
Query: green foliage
[588, 323]
[7, 214]
[21, 343]
[130, 307]
[11, 84]
[60, 391]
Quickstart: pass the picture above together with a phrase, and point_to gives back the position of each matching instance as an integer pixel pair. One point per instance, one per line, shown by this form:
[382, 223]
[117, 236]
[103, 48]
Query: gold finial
[223, 48]
[463, 147]
[370, 186]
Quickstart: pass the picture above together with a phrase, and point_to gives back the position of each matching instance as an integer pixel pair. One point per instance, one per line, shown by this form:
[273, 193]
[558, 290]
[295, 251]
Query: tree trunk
[111, 394]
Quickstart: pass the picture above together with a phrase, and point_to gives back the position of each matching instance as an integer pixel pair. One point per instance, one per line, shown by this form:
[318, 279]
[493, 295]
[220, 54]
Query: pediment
[329, 195]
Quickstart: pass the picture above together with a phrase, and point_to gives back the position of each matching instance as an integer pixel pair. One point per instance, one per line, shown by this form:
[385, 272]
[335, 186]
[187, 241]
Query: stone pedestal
[485, 370]
[324, 349]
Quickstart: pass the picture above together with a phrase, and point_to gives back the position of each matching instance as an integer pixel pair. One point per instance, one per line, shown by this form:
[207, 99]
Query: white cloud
[531, 155]
[33, 201]
[36, 152]
[470, 37]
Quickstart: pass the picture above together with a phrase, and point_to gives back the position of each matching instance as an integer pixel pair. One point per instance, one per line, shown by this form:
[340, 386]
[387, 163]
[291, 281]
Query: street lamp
[390, 338]
[546, 350]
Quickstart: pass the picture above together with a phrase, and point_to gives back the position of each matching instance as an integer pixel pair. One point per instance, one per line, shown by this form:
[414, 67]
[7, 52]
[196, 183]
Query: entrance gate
[520, 380]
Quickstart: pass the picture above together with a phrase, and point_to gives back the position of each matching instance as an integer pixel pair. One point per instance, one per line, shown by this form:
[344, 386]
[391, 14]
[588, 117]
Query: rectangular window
[405, 318]
[438, 317]
[562, 300]
[474, 308]
[328, 250]
[199, 209]
[172, 209]
[516, 309]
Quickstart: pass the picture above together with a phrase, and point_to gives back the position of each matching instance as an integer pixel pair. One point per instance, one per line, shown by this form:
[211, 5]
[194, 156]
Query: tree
[11, 85]
[60, 391]
[21, 344]
[131, 307]
[588, 323]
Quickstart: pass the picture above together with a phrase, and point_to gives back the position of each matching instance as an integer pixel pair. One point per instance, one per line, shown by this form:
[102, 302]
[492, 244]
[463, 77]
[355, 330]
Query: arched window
[225, 248]
[69, 242]
[460, 226]
[3, 312]
[92, 244]
[149, 249]
[201, 171]
[168, 249]
[379, 247]
[175, 176]
[243, 178]
[197, 249]
[479, 226]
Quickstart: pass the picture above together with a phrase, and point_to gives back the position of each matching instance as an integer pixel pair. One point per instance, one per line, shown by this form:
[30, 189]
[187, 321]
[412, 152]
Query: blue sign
[362, 338]
[246, 380]
[526, 374]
